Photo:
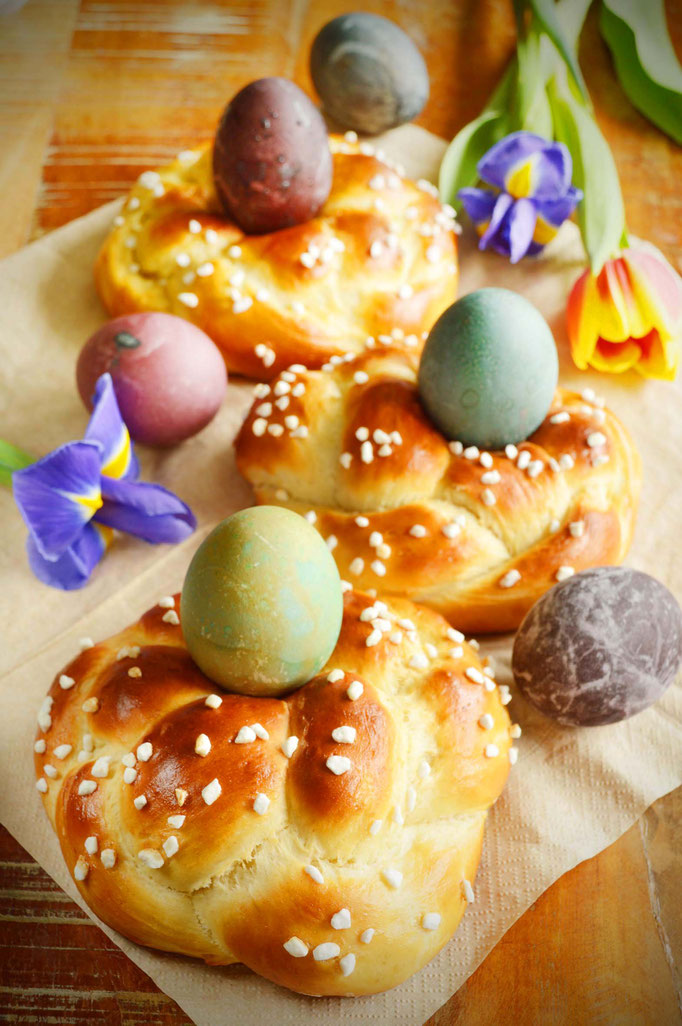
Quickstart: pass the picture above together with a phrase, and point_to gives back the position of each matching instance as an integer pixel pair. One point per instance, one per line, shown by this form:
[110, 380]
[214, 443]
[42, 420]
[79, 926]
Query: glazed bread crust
[380, 257]
[477, 536]
[121, 723]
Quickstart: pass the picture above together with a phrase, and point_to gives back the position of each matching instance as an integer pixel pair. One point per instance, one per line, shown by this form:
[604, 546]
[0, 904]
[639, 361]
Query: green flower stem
[601, 214]
[11, 459]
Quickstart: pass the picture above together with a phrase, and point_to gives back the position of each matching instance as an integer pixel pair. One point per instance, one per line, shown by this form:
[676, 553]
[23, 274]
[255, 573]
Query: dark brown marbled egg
[272, 165]
[599, 647]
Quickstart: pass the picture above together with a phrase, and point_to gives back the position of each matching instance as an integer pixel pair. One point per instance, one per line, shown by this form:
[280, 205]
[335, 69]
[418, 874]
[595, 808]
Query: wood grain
[92, 92]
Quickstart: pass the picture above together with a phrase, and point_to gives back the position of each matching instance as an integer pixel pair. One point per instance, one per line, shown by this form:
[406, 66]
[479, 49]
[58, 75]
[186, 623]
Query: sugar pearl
[261, 804]
[202, 745]
[212, 791]
[314, 874]
[323, 952]
[354, 690]
[341, 920]
[393, 877]
[338, 764]
[344, 735]
[296, 947]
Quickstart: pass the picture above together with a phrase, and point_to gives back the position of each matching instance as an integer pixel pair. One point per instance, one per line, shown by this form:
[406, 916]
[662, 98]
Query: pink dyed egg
[168, 375]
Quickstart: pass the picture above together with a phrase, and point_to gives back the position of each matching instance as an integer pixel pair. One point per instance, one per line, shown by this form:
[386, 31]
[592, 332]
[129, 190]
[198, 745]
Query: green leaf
[653, 86]
[601, 213]
[571, 16]
[458, 168]
[12, 459]
[546, 14]
[648, 23]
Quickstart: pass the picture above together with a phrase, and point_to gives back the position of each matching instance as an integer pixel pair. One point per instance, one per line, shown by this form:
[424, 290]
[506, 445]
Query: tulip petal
[615, 357]
[58, 495]
[628, 317]
[73, 568]
[106, 427]
[521, 227]
[659, 356]
[146, 510]
[515, 148]
[656, 289]
[478, 203]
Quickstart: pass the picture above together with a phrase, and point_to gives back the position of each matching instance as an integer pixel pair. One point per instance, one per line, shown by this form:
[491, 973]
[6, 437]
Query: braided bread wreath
[328, 840]
[379, 258]
[477, 536]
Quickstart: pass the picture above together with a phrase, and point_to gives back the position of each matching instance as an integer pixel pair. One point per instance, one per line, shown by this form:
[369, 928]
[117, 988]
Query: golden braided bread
[327, 840]
[477, 536]
[380, 258]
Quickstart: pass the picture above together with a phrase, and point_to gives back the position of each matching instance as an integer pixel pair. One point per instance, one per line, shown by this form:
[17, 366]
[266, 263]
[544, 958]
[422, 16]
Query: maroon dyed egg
[168, 375]
[599, 647]
[272, 165]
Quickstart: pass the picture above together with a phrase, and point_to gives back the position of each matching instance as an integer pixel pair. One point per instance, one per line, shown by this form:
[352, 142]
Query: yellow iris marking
[105, 533]
[519, 181]
[91, 502]
[118, 464]
[544, 232]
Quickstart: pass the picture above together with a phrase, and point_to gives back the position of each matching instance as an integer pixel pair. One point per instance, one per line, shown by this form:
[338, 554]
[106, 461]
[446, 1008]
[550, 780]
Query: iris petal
[146, 510]
[553, 171]
[106, 426]
[478, 203]
[494, 166]
[500, 210]
[521, 226]
[556, 210]
[73, 567]
[58, 495]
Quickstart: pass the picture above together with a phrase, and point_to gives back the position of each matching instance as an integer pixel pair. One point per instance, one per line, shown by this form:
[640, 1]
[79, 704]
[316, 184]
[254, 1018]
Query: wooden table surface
[92, 92]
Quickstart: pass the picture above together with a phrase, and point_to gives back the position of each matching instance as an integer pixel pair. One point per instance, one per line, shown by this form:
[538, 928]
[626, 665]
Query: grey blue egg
[368, 73]
[489, 369]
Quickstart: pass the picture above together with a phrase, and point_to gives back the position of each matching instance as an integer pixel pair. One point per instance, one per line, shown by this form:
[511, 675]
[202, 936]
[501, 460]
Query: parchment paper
[573, 791]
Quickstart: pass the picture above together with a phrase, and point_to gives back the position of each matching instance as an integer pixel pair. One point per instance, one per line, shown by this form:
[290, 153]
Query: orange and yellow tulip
[628, 317]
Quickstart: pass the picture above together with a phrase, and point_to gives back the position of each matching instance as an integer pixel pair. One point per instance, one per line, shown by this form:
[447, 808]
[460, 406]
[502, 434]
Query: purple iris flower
[531, 196]
[73, 499]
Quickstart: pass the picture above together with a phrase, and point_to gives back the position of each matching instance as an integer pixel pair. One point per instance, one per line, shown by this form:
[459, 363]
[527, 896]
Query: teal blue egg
[489, 369]
[261, 604]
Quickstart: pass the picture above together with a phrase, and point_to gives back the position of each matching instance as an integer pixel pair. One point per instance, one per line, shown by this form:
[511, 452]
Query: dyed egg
[489, 369]
[368, 73]
[261, 604]
[168, 375]
[599, 647]
[272, 165]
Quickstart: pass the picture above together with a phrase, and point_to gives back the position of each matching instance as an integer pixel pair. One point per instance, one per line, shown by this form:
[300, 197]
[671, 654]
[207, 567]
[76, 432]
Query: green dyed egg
[261, 604]
[489, 369]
